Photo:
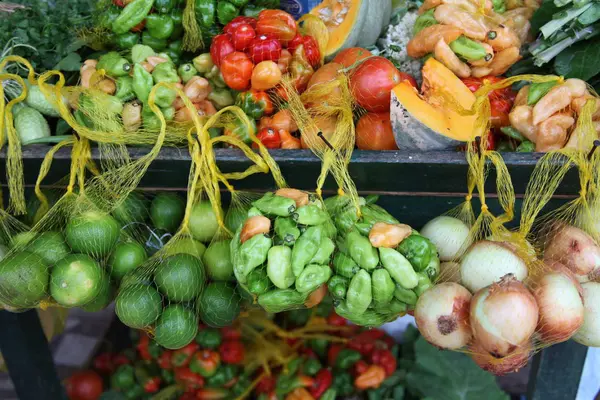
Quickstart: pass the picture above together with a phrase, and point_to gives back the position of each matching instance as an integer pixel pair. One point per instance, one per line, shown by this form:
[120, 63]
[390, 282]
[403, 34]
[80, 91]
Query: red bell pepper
[277, 23]
[360, 367]
[386, 359]
[333, 352]
[263, 48]
[242, 36]
[230, 333]
[220, 47]
[265, 385]
[232, 352]
[237, 21]
[311, 48]
[322, 382]
[269, 137]
[152, 385]
[103, 363]
[164, 360]
[182, 357]
[335, 320]
[188, 379]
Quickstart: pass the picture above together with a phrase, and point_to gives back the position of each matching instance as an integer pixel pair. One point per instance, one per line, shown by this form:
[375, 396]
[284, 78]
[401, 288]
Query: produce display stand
[414, 187]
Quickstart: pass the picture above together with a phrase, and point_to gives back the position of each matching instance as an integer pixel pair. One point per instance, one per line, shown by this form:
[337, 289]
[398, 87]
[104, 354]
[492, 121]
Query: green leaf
[449, 375]
[542, 15]
[72, 62]
[582, 60]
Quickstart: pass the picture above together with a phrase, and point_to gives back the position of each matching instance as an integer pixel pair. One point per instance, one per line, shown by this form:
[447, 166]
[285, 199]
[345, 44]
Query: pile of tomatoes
[256, 52]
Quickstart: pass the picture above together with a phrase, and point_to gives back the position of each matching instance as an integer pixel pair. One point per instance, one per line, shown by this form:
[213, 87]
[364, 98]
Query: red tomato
[372, 83]
[220, 48]
[237, 71]
[264, 48]
[231, 333]
[335, 320]
[269, 137]
[349, 57]
[374, 132]
[242, 36]
[234, 23]
[84, 385]
[501, 100]
[277, 23]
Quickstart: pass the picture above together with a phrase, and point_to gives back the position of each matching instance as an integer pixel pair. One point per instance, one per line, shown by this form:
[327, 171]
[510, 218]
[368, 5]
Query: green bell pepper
[252, 10]
[177, 18]
[186, 72]
[418, 250]
[205, 12]
[254, 103]
[127, 40]
[123, 378]
[224, 374]
[132, 15]
[343, 383]
[164, 96]
[125, 88]
[142, 82]
[165, 72]
[156, 44]
[176, 46]
[164, 6]
[239, 3]
[114, 64]
[311, 367]
[221, 98]
[241, 130]
[346, 358]
[160, 26]
[226, 11]
[140, 52]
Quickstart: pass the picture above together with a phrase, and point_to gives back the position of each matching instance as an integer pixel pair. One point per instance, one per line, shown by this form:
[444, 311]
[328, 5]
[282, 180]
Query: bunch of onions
[503, 316]
[442, 315]
[500, 366]
[589, 333]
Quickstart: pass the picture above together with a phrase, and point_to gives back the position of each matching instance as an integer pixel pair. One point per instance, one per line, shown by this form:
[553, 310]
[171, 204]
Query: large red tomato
[349, 57]
[84, 385]
[372, 83]
[374, 132]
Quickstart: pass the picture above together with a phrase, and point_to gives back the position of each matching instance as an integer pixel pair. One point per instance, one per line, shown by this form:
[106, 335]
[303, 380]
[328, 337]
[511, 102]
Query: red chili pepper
[182, 357]
[335, 320]
[364, 342]
[269, 137]
[264, 48]
[386, 359]
[142, 347]
[103, 363]
[190, 381]
[265, 385]
[360, 367]
[332, 353]
[120, 359]
[152, 385]
[232, 352]
[322, 382]
[220, 47]
[164, 360]
[119, 3]
[230, 333]
[237, 21]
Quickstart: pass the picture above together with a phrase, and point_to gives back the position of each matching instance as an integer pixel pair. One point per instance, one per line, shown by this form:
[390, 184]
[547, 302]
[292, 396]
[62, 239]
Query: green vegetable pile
[288, 260]
[373, 285]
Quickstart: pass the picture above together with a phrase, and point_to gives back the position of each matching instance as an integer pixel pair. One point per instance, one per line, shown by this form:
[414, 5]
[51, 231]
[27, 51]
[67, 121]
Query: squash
[353, 23]
[420, 122]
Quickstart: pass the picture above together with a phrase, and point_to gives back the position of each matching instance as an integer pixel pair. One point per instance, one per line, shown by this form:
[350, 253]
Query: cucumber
[36, 100]
[30, 124]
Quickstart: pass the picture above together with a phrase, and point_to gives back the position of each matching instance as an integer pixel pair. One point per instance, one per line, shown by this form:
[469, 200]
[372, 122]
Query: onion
[442, 315]
[503, 316]
[487, 262]
[560, 300]
[449, 272]
[589, 333]
[448, 234]
[573, 248]
[500, 366]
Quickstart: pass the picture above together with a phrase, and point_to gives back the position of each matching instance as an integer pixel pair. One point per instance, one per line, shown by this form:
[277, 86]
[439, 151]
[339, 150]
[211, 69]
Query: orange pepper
[299, 394]
[371, 378]
[288, 141]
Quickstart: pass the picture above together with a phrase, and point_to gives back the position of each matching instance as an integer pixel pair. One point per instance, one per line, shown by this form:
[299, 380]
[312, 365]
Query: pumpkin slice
[352, 23]
[424, 122]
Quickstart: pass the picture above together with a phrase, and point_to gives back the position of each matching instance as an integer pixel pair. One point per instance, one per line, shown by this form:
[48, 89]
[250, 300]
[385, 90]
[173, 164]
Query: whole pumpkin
[372, 83]
[374, 132]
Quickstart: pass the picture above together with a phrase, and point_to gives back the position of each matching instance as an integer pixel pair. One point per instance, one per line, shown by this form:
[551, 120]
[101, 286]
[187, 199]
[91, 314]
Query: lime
[93, 233]
[167, 211]
[103, 298]
[124, 258]
[50, 246]
[180, 277]
[21, 239]
[138, 306]
[23, 279]
[176, 327]
[203, 222]
[235, 218]
[133, 209]
[218, 261]
[219, 304]
[186, 245]
[76, 280]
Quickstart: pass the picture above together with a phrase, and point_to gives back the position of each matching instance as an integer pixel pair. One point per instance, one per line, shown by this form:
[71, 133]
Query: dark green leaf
[582, 60]
[542, 15]
[72, 62]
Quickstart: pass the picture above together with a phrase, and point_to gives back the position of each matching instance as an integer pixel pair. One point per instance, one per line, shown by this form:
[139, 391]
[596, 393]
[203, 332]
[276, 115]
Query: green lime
[23, 279]
[167, 211]
[103, 298]
[76, 280]
[186, 245]
[133, 209]
[21, 239]
[93, 233]
[218, 261]
[219, 304]
[138, 306]
[176, 327]
[50, 246]
[180, 277]
[124, 258]
[235, 218]
[203, 222]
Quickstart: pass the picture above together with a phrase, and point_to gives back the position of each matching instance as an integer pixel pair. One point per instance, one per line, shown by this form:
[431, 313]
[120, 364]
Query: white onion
[442, 315]
[560, 301]
[503, 316]
[448, 234]
[486, 262]
[449, 272]
[573, 248]
[500, 366]
[589, 333]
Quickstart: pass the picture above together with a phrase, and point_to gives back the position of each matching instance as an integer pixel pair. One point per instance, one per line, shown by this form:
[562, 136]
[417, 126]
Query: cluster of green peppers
[137, 24]
[283, 268]
[371, 285]
[211, 12]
